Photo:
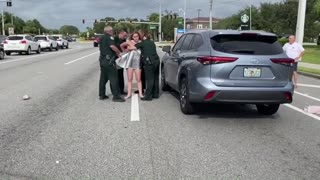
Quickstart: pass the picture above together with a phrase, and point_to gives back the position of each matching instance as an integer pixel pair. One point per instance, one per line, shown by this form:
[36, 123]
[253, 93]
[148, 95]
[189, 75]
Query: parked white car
[47, 42]
[21, 43]
[62, 41]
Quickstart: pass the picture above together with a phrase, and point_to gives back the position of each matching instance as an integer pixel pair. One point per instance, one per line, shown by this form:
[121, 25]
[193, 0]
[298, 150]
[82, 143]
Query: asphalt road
[65, 132]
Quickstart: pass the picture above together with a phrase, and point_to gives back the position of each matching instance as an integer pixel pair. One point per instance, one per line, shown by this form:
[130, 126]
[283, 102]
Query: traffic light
[9, 3]
[83, 21]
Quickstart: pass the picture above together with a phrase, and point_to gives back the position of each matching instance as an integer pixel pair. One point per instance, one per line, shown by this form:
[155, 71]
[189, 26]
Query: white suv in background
[62, 41]
[20, 43]
[47, 42]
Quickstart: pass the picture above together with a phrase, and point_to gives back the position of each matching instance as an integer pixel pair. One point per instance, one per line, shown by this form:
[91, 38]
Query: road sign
[244, 18]
[152, 27]
[11, 30]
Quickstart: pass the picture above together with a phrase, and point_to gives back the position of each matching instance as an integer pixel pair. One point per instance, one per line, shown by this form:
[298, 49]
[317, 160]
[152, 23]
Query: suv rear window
[40, 38]
[15, 37]
[247, 44]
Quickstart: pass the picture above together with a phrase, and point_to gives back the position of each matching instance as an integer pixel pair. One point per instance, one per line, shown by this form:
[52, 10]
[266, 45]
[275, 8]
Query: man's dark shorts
[295, 66]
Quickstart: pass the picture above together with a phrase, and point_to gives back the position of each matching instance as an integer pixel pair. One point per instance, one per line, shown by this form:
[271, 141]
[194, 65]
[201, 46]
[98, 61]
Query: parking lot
[65, 131]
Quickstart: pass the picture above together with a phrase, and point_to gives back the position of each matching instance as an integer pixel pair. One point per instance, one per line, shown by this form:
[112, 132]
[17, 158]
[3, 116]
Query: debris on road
[312, 109]
[26, 97]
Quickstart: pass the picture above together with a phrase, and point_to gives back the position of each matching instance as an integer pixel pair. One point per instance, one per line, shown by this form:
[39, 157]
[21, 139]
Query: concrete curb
[309, 74]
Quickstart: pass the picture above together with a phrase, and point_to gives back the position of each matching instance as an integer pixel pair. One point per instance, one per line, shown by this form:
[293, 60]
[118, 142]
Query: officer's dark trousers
[121, 80]
[152, 80]
[143, 79]
[109, 73]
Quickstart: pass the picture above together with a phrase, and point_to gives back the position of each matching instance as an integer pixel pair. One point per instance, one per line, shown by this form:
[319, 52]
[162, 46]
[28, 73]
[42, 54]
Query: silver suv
[228, 66]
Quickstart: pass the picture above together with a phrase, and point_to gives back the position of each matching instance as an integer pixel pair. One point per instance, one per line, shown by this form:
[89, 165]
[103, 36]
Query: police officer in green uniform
[108, 54]
[150, 63]
[119, 39]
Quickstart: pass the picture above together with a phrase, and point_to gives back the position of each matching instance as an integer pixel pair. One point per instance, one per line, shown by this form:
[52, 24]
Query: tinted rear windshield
[246, 44]
[40, 38]
[15, 37]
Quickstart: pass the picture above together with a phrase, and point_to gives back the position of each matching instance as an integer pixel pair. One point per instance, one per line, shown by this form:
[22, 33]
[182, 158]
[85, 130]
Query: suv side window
[186, 43]
[178, 44]
[197, 42]
[29, 38]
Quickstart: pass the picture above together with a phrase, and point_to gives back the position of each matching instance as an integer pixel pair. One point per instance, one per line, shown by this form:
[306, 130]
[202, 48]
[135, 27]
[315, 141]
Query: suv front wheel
[185, 105]
[267, 109]
[164, 85]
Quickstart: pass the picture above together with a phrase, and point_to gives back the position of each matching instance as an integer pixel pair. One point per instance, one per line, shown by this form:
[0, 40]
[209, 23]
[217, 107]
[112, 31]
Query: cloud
[56, 13]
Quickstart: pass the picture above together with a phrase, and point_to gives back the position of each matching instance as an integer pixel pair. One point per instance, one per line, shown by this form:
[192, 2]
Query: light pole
[250, 14]
[198, 17]
[160, 17]
[210, 15]
[184, 20]
[301, 21]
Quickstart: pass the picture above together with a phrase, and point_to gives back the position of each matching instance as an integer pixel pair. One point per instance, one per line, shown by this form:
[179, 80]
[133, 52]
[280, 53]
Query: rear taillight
[283, 61]
[288, 96]
[209, 95]
[5, 42]
[215, 59]
[23, 42]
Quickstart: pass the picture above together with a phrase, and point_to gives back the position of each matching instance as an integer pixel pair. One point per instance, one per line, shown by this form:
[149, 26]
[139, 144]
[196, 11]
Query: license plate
[252, 72]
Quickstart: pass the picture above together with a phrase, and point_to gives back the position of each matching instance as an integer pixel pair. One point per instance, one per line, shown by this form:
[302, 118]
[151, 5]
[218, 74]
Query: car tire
[1, 54]
[39, 50]
[57, 47]
[67, 46]
[164, 85]
[28, 52]
[186, 106]
[50, 48]
[8, 53]
[267, 109]
[95, 44]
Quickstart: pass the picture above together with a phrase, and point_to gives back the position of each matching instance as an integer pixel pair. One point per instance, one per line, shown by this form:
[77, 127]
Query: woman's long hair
[131, 37]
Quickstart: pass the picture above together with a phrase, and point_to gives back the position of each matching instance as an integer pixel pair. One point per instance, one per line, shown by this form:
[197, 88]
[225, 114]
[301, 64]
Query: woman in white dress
[133, 64]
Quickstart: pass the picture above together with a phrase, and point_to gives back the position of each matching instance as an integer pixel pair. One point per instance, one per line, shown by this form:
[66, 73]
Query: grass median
[312, 54]
[309, 70]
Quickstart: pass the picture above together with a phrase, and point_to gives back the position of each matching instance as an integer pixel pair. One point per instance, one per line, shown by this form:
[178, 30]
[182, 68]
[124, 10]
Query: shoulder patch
[111, 37]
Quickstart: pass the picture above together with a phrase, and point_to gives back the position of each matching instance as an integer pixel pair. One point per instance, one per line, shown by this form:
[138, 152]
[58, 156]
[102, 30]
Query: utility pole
[301, 21]
[198, 17]
[184, 16]
[160, 17]
[210, 8]
[3, 31]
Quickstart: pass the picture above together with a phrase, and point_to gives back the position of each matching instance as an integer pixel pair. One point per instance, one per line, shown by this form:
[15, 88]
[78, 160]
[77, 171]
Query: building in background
[201, 23]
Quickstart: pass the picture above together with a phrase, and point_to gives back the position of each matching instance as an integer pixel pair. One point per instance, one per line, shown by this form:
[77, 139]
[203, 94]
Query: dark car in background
[228, 66]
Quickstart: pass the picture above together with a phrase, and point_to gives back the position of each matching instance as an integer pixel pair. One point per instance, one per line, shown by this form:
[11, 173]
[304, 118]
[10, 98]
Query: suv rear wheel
[1, 54]
[185, 105]
[267, 109]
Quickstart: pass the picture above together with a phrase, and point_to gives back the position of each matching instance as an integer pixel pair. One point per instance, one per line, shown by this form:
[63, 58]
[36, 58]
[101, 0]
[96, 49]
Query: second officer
[150, 63]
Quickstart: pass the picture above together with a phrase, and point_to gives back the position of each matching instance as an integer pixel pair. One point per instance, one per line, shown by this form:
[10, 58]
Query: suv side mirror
[166, 49]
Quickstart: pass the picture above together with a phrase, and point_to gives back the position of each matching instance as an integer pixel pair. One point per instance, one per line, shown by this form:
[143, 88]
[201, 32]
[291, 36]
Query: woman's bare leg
[139, 82]
[130, 78]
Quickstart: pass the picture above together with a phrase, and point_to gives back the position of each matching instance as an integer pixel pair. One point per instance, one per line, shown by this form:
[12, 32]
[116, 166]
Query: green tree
[69, 29]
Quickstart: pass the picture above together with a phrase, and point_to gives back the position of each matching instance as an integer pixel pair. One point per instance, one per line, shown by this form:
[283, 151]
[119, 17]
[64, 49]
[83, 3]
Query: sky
[55, 13]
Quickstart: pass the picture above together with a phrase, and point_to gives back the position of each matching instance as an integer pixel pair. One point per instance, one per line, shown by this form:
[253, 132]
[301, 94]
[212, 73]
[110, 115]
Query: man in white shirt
[295, 51]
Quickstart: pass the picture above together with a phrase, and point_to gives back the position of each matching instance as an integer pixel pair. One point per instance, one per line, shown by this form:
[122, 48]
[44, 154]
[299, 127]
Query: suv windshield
[15, 37]
[246, 44]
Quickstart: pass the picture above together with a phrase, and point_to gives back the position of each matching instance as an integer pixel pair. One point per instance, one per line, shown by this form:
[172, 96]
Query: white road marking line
[70, 62]
[308, 85]
[35, 56]
[135, 108]
[301, 111]
[306, 95]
